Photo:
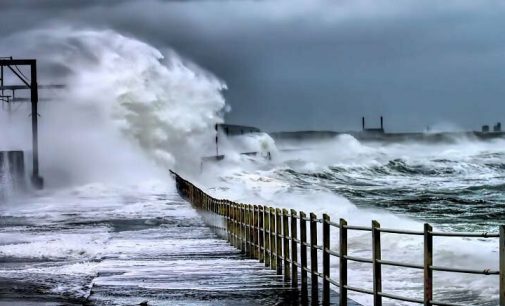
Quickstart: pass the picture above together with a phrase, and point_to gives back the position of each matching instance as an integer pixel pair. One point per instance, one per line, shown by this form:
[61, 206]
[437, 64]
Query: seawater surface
[455, 186]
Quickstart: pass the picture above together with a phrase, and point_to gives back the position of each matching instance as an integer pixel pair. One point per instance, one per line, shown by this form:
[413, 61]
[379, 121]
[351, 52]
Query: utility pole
[12, 65]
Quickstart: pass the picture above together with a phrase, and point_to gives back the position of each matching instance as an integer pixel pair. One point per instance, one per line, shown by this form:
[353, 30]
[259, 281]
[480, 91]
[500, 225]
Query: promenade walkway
[107, 245]
[185, 264]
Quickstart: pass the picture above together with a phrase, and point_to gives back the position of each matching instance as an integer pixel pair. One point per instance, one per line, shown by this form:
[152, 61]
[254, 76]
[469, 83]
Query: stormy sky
[318, 64]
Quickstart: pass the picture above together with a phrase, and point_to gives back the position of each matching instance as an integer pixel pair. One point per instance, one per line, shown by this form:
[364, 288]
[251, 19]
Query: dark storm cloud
[319, 64]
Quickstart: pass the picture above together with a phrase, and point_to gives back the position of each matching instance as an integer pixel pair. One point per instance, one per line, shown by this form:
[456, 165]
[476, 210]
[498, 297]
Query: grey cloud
[319, 64]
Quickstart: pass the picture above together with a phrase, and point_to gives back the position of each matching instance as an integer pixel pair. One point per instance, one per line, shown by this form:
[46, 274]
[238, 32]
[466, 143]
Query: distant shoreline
[388, 137]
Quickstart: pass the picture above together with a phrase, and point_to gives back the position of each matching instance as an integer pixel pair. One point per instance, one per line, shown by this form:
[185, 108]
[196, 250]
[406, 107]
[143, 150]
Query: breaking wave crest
[121, 95]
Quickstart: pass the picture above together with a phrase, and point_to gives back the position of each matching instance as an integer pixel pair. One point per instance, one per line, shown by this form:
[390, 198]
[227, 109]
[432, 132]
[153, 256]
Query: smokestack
[382, 123]
[363, 123]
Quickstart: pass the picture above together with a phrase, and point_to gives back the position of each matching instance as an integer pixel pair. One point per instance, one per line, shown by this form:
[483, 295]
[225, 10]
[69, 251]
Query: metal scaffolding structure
[8, 95]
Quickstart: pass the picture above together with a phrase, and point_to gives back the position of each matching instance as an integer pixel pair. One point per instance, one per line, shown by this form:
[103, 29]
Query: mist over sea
[130, 112]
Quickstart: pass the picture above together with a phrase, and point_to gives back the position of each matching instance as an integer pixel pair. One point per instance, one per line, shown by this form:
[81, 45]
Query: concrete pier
[187, 265]
[110, 247]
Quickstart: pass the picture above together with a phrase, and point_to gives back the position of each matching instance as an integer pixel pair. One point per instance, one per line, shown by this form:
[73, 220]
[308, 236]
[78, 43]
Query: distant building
[373, 130]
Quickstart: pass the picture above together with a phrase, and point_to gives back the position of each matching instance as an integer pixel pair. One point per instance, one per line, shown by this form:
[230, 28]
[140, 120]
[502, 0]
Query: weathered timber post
[313, 256]
[232, 223]
[254, 227]
[278, 235]
[502, 265]
[239, 225]
[228, 220]
[247, 222]
[273, 260]
[326, 259]
[294, 250]
[285, 236]
[303, 251]
[251, 231]
[428, 262]
[236, 227]
[343, 262]
[261, 234]
[376, 256]
[247, 230]
[243, 229]
[266, 231]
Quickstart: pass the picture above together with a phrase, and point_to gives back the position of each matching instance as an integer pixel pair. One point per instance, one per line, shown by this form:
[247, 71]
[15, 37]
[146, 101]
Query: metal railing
[277, 236]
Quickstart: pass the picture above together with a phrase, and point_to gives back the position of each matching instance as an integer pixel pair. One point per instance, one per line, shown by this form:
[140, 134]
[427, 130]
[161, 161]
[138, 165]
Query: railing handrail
[271, 235]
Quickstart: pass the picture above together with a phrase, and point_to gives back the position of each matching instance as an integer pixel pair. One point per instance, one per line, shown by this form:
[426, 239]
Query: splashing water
[122, 95]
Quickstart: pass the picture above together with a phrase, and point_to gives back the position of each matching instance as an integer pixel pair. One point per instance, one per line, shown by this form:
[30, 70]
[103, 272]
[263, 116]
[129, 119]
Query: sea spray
[122, 97]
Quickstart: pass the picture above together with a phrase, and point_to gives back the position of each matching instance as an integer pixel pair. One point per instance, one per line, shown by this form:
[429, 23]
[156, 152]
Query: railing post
[261, 234]
[273, 260]
[243, 229]
[250, 225]
[313, 256]
[230, 221]
[251, 230]
[235, 224]
[285, 236]
[278, 235]
[502, 265]
[376, 255]
[294, 250]
[303, 251]
[428, 262]
[247, 230]
[228, 215]
[326, 259]
[266, 232]
[343, 262]
[254, 228]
